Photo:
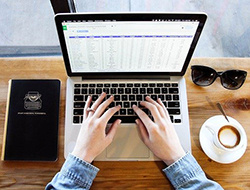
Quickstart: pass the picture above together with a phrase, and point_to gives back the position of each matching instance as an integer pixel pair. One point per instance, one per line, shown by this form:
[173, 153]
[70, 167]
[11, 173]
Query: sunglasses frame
[218, 74]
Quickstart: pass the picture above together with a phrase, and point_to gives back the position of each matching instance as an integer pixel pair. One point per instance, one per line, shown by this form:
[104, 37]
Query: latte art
[229, 136]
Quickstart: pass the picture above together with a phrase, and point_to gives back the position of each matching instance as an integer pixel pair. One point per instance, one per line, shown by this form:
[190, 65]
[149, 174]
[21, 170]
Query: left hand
[92, 138]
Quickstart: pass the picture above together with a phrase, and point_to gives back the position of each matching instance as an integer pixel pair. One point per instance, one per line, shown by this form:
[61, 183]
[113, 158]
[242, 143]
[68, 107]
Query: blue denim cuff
[183, 170]
[78, 171]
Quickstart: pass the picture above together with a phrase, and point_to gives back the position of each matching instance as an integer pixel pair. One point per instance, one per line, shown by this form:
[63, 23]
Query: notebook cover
[31, 123]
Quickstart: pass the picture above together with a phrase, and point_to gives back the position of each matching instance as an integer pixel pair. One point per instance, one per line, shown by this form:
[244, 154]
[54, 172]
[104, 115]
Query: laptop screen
[155, 44]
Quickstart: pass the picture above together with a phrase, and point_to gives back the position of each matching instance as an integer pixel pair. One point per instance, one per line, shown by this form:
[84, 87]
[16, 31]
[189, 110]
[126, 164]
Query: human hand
[160, 135]
[92, 138]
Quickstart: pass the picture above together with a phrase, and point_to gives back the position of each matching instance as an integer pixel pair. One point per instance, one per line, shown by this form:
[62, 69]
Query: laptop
[129, 56]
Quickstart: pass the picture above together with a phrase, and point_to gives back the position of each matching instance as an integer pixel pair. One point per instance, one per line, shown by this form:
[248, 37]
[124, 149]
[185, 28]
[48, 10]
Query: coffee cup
[227, 136]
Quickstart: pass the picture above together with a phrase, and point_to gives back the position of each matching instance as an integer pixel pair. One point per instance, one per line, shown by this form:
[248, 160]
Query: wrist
[82, 155]
[173, 158]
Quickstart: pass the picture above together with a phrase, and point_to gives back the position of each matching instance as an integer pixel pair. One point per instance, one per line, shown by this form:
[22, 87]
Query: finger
[112, 131]
[109, 113]
[153, 109]
[159, 106]
[103, 106]
[87, 105]
[98, 101]
[142, 130]
[164, 108]
[142, 115]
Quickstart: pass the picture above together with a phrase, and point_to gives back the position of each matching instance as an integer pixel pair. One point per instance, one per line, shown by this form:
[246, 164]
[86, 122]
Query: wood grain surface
[133, 175]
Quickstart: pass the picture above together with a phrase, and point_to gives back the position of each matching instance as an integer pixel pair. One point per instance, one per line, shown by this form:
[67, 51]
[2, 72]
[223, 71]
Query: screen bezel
[60, 18]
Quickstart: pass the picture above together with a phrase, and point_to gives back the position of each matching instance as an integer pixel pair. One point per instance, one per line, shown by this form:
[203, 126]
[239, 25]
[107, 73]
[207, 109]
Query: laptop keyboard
[128, 94]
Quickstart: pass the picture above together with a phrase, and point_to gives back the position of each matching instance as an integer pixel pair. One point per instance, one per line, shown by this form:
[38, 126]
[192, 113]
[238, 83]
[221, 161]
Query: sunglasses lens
[233, 79]
[203, 76]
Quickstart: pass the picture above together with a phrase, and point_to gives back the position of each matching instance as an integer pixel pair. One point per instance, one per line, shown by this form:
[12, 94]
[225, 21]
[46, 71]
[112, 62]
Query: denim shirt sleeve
[186, 173]
[75, 174]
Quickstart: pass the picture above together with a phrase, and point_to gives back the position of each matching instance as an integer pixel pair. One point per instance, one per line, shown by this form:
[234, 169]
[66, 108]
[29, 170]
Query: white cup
[228, 136]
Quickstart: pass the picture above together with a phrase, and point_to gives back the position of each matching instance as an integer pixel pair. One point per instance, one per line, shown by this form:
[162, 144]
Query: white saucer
[216, 154]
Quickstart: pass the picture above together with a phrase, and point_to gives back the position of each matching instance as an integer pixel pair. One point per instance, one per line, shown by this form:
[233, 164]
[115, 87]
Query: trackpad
[127, 144]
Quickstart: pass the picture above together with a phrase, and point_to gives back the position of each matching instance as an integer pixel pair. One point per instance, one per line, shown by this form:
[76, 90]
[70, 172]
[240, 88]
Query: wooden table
[133, 175]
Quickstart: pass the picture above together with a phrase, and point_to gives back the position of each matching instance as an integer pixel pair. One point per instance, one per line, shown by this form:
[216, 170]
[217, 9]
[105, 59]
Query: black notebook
[31, 123]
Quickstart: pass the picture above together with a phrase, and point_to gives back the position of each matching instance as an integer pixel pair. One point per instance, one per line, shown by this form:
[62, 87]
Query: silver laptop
[130, 56]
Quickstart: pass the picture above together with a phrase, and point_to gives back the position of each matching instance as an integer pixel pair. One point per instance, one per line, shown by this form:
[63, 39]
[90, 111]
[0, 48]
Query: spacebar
[125, 119]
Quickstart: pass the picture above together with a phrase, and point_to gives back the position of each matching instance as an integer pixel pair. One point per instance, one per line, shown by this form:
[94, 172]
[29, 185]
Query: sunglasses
[230, 79]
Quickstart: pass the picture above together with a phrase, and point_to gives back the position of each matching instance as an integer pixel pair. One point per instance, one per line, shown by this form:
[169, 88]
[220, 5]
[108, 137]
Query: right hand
[160, 135]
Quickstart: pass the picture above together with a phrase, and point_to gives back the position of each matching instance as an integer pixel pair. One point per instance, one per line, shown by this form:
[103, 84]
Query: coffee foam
[229, 136]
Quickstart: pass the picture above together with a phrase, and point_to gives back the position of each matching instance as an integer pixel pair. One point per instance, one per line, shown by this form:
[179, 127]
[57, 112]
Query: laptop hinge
[165, 77]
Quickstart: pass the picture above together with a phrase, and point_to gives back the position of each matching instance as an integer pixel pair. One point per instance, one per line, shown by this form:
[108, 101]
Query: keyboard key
[76, 119]
[174, 84]
[168, 97]
[134, 103]
[154, 97]
[162, 97]
[77, 91]
[172, 118]
[130, 111]
[85, 85]
[173, 104]
[78, 98]
[113, 90]
[124, 97]
[139, 97]
[112, 104]
[120, 90]
[98, 91]
[131, 97]
[91, 91]
[144, 85]
[118, 103]
[175, 97]
[167, 84]
[174, 111]
[99, 85]
[126, 104]
[94, 97]
[127, 90]
[177, 120]
[157, 90]
[78, 111]
[117, 97]
[106, 85]
[164, 90]
[137, 84]
[150, 90]
[84, 91]
[146, 111]
[123, 111]
[77, 85]
[135, 90]
[79, 104]
[143, 90]
[165, 104]
[173, 90]
[122, 85]
[114, 85]
[106, 90]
